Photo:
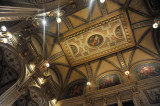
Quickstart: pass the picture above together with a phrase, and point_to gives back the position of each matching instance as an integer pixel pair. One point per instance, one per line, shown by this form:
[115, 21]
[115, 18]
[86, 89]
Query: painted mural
[153, 95]
[103, 37]
[95, 40]
[147, 70]
[75, 90]
[108, 81]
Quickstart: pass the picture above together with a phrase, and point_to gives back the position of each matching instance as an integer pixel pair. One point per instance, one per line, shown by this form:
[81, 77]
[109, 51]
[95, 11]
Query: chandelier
[4, 34]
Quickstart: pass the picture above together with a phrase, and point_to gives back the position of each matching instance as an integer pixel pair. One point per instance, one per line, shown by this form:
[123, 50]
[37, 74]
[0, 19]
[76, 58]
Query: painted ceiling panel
[94, 65]
[84, 13]
[75, 76]
[134, 17]
[147, 42]
[114, 59]
[96, 12]
[126, 55]
[75, 22]
[63, 27]
[111, 6]
[139, 55]
[139, 5]
[139, 32]
[82, 69]
[105, 66]
[63, 70]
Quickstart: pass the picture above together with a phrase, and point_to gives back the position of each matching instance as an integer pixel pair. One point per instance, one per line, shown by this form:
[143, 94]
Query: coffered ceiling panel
[102, 37]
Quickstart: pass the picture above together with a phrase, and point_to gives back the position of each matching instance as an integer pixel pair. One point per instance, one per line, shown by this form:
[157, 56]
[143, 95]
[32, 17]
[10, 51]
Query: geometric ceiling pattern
[64, 74]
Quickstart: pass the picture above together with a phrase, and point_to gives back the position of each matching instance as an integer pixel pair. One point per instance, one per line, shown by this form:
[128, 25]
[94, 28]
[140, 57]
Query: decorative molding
[78, 35]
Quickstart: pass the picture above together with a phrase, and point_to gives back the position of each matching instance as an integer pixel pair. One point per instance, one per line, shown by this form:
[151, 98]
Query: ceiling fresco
[102, 37]
[96, 45]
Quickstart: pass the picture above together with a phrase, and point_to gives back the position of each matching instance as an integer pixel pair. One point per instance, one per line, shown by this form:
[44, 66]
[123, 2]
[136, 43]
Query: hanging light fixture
[47, 64]
[156, 23]
[102, 1]
[58, 20]
[53, 102]
[126, 72]
[88, 83]
[4, 34]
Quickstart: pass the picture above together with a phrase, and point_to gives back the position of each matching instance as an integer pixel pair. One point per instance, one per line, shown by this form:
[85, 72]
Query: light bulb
[127, 72]
[4, 40]
[102, 1]
[9, 35]
[155, 25]
[32, 66]
[59, 20]
[88, 83]
[47, 65]
[54, 101]
[19, 35]
[44, 22]
[41, 80]
[4, 28]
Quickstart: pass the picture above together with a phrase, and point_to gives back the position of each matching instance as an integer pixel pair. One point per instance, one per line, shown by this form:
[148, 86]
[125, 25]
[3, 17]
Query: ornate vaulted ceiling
[76, 58]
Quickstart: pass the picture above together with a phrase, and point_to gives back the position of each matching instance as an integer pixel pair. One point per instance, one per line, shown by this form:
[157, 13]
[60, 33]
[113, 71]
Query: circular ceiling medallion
[95, 40]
